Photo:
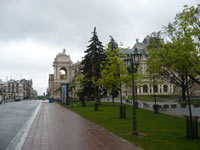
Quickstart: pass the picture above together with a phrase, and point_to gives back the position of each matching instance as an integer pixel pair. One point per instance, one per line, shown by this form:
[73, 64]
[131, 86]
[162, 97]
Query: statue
[64, 51]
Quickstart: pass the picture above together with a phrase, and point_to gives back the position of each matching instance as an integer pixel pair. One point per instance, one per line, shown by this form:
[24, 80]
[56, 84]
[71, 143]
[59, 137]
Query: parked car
[17, 98]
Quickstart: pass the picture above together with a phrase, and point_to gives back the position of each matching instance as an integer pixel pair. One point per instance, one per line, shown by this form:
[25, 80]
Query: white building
[13, 89]
[145, 89]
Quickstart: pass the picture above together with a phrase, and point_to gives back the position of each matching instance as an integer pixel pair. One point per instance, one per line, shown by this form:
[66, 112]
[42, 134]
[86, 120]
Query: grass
[159, 98]
[157, 131]
[193, 102]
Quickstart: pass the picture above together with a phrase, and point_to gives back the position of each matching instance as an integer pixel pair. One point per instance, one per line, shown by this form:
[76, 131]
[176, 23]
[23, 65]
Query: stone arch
[63, 73]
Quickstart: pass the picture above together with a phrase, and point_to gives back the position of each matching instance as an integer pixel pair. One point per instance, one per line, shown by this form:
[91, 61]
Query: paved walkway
[56, 128]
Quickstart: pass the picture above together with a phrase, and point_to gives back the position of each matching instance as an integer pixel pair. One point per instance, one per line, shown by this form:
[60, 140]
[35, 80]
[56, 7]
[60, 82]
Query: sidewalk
[56, 128]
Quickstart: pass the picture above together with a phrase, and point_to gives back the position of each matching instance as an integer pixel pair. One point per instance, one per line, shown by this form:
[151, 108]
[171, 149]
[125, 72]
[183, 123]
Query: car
[17, 98]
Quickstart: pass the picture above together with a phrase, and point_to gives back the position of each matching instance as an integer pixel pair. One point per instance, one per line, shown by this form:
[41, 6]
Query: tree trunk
[113, 99]
[189, 104]
[155, 107]
[183, 93]
[83, 103]
[154, 95]
[190, 110]
[121, 93]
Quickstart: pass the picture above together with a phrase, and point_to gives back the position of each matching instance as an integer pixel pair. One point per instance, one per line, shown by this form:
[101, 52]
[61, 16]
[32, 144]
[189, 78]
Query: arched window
[145, 89]
[63, 73]
[155, 88]
[165, 87]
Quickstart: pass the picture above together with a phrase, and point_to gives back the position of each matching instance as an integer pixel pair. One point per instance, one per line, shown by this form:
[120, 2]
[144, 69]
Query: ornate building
[63, 74]
[145, 89]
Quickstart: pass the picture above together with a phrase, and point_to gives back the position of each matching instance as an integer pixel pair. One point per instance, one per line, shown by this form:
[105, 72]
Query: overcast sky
[33, 32]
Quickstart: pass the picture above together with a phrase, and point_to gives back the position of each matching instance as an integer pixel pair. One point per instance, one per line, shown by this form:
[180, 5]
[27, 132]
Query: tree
[81, 88]
[152, 73]
[114, 72]
[188, 23]
[177, 57]
[91, 67]
[112, 56]
[153, 67]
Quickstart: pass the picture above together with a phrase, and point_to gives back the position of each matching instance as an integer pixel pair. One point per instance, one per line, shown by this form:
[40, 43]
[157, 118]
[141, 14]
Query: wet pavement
[13, 116]
[56, 128]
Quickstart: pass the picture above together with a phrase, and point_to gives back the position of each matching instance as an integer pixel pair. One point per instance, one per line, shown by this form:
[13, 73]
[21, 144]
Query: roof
[62, 57]
[129, 51]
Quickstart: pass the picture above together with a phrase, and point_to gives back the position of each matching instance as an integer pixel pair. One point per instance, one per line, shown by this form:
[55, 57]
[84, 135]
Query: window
[155, 87]
[145, 89]
[165, 88]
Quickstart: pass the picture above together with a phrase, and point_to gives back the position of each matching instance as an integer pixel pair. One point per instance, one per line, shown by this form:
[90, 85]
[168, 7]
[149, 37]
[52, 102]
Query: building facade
[13, 89]
[17, 89]
[145, 87]
[63, 74]
[63, 62]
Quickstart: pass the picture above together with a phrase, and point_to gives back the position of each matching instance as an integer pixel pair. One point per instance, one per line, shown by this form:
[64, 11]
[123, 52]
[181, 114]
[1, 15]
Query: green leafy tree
[153, 75]
[114, 72]
[81, 86]
[177, 58]
[91, 68]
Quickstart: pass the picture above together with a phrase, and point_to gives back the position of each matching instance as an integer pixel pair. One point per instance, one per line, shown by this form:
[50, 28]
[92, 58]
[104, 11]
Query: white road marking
[18, 141]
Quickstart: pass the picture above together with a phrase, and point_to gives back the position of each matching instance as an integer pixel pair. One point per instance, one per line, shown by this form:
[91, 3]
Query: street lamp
[132, 62]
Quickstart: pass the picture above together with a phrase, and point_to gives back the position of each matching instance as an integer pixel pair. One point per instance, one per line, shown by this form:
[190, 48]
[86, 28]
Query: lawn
[157, 131]
[159, 98]
[193, 102]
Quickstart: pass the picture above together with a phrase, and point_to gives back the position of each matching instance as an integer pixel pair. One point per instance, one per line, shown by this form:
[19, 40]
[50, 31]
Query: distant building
[1, 87]
[18, 88]
[13, 89]
[28, 89]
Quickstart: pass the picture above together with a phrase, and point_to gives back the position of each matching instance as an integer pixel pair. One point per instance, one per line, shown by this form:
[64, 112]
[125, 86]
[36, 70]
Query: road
[13, 117]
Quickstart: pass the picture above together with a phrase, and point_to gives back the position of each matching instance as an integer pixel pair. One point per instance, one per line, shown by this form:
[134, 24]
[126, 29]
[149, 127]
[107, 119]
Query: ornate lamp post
[132, 62]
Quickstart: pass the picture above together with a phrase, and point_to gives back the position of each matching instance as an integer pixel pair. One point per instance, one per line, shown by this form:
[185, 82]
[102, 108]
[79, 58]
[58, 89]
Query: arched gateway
[62, 76]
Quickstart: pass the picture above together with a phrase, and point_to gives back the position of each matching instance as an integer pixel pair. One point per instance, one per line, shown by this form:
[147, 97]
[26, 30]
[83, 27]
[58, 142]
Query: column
[148, 90]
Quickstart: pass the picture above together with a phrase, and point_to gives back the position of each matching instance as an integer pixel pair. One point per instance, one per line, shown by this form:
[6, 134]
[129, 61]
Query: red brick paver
[56, 128]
